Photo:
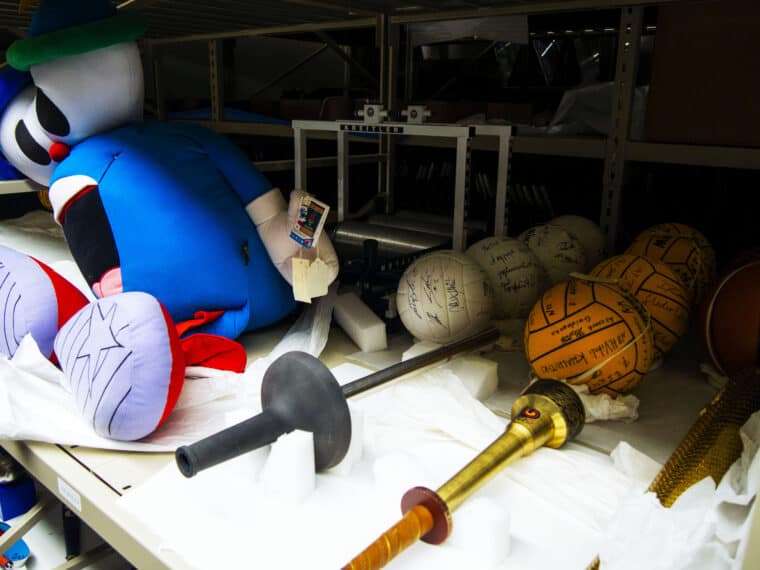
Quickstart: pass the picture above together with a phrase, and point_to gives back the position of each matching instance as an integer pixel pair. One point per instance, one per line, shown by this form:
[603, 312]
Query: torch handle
[547, 413]
[415, 524]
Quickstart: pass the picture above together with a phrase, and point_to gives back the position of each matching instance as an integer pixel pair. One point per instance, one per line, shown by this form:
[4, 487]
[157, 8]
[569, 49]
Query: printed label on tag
[312, 215]
[301, 279]
[319, 274]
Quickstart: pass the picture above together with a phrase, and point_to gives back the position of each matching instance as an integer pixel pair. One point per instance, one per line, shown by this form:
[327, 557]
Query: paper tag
[301, 279]
[312, 215]
[68, 493]
[319, 274]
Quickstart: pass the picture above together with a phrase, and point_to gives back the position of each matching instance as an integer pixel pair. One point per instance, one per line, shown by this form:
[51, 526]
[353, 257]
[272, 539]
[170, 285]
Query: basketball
[589, 332]
[444, 296]
[588, 233]
[559, 251]
[729, 320]
[516, 275]
[658, 288]
[685, 250]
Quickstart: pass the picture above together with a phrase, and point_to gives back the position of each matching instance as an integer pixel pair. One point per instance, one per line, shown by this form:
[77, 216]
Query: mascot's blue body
[184, 242]
[169, 210]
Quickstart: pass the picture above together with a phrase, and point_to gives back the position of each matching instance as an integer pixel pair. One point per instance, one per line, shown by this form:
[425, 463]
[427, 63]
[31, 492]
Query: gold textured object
[548, 413]
[44, 198]
[24, 4]
[712, 444]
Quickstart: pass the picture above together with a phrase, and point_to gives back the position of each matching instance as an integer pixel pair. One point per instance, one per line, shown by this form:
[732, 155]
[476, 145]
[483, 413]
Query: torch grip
[416, 523]
[240, 438]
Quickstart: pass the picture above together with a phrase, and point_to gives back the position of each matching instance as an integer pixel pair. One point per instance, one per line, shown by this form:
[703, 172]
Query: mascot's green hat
[61, 28]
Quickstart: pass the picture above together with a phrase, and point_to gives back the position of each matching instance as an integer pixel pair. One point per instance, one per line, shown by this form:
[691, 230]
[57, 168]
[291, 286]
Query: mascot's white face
[72, 98]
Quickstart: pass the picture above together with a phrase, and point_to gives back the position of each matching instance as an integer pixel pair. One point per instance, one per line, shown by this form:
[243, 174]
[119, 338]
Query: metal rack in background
[462, 134]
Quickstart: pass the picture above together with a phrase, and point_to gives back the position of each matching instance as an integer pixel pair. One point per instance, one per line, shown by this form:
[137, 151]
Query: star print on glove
[97, 356]
[13, 330]
[34, 300]
[123, 364]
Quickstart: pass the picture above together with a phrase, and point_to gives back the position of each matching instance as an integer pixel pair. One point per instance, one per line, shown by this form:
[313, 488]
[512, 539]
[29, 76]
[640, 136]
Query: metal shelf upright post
[629, 41]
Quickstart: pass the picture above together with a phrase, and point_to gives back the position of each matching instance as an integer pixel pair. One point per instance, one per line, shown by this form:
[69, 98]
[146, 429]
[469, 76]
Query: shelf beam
[522, 9]
[18, 186]
[271, 31]
[580, 147]
[695, 155]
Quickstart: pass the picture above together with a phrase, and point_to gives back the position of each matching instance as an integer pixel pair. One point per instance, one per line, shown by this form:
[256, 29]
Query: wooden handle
[416, 523]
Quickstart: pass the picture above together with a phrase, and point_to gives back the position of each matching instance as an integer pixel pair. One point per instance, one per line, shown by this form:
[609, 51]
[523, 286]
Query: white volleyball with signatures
[444, 296]
[589, 233]
[517, 276]
[559, 251]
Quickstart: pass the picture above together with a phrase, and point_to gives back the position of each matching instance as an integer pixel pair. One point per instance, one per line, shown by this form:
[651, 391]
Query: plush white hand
[274, 221]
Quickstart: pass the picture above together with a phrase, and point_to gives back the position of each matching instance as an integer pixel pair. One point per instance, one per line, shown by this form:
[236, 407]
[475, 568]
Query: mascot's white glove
[274, 220]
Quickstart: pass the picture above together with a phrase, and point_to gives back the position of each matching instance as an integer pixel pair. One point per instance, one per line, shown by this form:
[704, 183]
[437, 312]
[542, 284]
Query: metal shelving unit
[176, 22]
[616, 150]
[695, 155]
[462, 135]
[173, 23]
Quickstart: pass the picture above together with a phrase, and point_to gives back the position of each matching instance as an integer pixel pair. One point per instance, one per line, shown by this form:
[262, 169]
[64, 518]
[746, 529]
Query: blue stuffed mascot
[171, 216]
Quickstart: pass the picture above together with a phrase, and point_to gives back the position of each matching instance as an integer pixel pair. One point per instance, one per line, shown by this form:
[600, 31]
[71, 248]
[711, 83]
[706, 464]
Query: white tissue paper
[419, 431]
[705, 529]
[601, 407]
[37, 406]
[310, 331]
[714, 377]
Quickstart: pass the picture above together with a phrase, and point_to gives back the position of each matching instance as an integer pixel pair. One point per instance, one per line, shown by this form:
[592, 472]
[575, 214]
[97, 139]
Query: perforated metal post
[154, 67]
[160, 100]
[387, 41]
[216, 79]
[501, 214]
[629, 40]
[343, 186]
[504, 137]
[461, 191]
[299, 157]
[409, 67]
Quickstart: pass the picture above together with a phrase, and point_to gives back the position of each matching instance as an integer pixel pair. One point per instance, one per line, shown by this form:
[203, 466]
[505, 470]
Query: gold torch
[548, 413]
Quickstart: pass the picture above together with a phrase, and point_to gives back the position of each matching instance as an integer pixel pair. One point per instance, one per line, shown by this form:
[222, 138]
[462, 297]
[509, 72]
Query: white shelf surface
[18, 186]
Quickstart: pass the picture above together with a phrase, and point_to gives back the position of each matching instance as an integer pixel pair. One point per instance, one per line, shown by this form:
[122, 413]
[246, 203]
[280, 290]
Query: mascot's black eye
[51, 118]
[29, 146]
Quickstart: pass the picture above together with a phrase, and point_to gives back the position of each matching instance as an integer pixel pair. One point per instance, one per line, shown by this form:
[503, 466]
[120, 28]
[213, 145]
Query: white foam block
[396, 472]
[479, 375]
[376, 360]
[419, 348]
[289, 471]
[356, 446]
[248, 464]
[481, 526]
[364, 327]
